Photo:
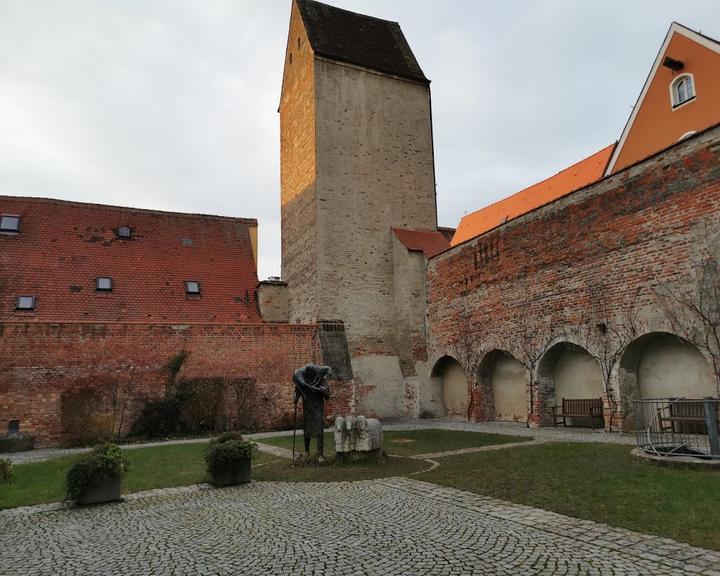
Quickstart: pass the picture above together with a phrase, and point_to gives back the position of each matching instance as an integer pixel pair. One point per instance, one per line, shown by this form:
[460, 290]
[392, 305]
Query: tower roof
[358, 39]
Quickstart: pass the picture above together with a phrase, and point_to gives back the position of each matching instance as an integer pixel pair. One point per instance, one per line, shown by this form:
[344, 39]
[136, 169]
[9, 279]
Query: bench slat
[580, 407]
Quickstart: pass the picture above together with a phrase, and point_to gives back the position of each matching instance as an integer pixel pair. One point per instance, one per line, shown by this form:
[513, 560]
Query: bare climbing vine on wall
[528, 343]
[608, 333]
[468, 350]
[692, 308]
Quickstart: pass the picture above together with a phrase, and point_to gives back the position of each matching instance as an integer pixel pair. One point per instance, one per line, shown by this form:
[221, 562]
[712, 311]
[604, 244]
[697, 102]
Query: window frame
[131, 233]
[99, 288]
[188, 292]
[10, 230]
[30, 308]
[674, 95]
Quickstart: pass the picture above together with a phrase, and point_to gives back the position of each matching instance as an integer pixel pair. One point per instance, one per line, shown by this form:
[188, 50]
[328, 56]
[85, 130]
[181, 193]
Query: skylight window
[682, 90]
[9, 223]
[103, 284]
[25, 303]
[192, 287]
[125, 232]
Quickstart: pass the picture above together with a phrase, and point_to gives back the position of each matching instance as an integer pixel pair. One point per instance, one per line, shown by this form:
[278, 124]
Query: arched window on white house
[682, 90]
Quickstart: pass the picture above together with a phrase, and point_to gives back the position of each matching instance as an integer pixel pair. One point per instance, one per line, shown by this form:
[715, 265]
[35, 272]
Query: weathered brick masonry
[546, 272]
[41, 361]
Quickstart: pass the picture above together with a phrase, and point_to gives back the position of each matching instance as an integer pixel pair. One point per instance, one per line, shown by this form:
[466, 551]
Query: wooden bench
[579, 408]
[685, 418]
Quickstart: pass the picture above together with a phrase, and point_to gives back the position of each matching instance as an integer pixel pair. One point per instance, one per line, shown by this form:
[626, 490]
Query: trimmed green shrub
[158, 418]
[85, 416]
[227, 452]
[201, 406]
[6, 471]
[105, 461]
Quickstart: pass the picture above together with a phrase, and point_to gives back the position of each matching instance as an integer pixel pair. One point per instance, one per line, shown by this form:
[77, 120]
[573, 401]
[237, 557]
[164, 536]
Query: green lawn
[597, 482]
[164, 466]
[281, 470]
[408, 442]
[182, 465]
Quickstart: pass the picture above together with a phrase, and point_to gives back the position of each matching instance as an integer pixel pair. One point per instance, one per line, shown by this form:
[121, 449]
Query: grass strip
[598, 482]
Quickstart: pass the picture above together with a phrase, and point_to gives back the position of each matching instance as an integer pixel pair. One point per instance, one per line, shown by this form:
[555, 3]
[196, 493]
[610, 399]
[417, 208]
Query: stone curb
[473, 450]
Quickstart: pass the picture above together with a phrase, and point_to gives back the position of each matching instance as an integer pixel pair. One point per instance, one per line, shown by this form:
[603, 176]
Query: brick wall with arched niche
[662, 365]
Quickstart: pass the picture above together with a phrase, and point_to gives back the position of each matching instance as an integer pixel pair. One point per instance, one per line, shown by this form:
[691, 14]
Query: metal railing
[678, 427]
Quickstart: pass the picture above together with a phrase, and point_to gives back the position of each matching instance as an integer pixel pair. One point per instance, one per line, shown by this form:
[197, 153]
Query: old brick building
[358, 212]
[96, 302]
[356, 164]
[559, 291]
[602, 281]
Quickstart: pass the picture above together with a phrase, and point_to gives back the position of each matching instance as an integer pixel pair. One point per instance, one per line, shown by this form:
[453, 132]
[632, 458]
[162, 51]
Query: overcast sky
[172, 104]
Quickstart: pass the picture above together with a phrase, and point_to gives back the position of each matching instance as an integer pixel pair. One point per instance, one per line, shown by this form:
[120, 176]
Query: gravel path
[508, 428]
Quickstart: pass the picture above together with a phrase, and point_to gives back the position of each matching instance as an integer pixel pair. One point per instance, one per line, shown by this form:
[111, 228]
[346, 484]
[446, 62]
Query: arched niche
[449, 377]
[663, 365]
[505, 380]
[567, 370]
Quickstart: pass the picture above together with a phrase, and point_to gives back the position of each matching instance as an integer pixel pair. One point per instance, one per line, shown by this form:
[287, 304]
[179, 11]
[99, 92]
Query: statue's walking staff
[294, 430]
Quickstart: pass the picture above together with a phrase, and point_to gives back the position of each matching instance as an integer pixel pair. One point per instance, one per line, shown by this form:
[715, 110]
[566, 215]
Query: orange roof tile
[429, 242]
[577, 176]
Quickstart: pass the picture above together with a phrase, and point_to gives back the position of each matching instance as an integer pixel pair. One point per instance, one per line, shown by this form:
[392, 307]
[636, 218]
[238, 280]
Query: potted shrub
[97, 477]
[16, 441]
[6, 471]
[228, 459]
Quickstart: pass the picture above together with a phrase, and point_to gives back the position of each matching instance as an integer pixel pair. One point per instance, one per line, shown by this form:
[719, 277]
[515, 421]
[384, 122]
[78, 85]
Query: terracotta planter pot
[231, 475]
[105, 490]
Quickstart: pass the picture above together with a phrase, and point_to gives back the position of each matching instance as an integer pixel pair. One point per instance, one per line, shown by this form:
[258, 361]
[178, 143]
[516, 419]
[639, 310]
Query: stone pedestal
[358, 438]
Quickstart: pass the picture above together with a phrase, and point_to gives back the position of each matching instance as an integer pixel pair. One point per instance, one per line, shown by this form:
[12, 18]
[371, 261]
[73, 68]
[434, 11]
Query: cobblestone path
[383, 527]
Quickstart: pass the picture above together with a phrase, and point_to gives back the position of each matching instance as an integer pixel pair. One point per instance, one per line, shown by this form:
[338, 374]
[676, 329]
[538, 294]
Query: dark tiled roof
[63, 246]
[448, 233]
[357, 39]
[429, 242]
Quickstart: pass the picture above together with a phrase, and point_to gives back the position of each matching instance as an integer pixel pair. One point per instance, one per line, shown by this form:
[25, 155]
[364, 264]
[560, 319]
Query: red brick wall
[536, 274]
[39, 361]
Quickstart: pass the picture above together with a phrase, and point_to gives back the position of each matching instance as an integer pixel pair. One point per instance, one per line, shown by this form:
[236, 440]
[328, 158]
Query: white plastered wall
[509, 384]
[670, 368]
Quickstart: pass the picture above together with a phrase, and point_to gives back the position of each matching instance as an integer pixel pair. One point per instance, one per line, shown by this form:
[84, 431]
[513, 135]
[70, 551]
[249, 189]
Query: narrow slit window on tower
[25, 303]
[192, 287]
[103, 284]
[682, 90]
[9, 223]
[125, 232]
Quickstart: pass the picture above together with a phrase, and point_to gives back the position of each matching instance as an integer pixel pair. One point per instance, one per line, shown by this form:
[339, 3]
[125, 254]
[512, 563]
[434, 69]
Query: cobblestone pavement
[384, 527]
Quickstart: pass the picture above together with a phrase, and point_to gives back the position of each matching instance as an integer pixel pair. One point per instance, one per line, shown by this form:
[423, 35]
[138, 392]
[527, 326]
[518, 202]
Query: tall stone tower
[356, 163]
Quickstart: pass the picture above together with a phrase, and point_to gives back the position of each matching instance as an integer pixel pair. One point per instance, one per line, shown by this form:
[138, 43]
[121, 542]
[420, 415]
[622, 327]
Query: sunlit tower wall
[356, 161]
